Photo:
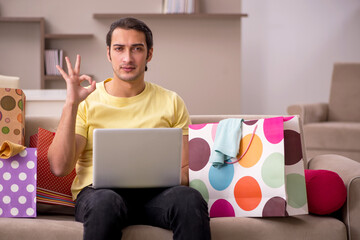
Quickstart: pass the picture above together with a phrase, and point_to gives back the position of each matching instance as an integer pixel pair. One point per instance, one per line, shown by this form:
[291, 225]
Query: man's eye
[138, 49]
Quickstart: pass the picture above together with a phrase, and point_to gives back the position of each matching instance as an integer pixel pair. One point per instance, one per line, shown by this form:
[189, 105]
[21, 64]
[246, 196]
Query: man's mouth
[127, 68]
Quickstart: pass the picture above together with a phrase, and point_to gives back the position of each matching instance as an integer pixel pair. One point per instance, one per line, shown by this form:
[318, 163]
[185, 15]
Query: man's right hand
[75, 92]
[67, 146]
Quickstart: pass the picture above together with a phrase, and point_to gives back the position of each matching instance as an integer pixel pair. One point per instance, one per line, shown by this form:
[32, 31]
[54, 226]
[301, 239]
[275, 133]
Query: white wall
[197, 57]
[289, 47]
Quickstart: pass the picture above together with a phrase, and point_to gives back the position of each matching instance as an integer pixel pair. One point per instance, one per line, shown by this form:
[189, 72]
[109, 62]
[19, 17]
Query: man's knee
[189, 206]
[109, 201]
[104, 202]
[189, 198]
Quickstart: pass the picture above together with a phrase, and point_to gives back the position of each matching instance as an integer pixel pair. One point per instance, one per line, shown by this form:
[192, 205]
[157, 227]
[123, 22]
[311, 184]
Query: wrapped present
[263, 180]
[12, 115]
[18, 184]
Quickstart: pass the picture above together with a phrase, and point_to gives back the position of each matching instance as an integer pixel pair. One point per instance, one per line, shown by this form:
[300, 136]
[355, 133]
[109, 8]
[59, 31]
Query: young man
[124, 101]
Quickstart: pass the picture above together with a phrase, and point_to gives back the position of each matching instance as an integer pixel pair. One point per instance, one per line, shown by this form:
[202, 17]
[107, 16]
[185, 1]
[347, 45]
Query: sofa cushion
[49, 227]
[309, 227]
[33, 123]
[344, 103]
[9, 81]
[326, 191]
[332, 135]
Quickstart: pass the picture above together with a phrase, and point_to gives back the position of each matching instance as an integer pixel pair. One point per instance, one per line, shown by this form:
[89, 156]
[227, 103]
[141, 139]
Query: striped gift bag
[50, 188]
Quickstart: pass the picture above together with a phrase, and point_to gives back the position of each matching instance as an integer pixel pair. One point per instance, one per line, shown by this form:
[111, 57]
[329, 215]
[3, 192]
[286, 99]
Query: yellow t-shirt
[155, 107]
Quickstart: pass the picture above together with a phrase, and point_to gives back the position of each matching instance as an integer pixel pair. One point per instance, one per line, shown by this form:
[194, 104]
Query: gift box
[18, 184]
[265, 180]
[12, 115]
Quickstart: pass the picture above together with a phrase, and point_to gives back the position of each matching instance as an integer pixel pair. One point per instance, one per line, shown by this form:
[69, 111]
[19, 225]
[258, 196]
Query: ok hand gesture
[75, 92]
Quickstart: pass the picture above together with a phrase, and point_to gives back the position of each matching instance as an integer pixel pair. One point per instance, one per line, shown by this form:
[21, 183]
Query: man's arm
[67, 146]
[185, 161]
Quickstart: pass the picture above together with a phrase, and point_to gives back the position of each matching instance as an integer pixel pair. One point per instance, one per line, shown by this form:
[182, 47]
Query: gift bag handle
[252, 137]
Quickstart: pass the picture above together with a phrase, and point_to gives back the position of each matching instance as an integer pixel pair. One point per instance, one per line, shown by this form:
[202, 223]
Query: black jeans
[105, 212]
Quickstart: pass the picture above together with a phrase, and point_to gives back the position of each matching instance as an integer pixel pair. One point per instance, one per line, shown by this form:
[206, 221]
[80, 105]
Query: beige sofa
[61, 225]
[334, 127]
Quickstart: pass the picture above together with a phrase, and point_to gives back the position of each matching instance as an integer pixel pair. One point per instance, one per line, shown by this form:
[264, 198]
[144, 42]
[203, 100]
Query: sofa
[57, 222]
[334, 127]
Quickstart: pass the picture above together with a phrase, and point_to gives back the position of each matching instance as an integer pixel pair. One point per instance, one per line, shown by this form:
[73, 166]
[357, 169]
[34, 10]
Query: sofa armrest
[316, 112]
[349, 171]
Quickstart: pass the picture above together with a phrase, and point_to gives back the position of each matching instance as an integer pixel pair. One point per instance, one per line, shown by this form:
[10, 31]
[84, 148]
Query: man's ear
[108, 53]
[150, 54]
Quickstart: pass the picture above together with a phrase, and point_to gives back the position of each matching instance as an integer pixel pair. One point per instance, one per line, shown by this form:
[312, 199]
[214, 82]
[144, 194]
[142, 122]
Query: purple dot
[250, 122]
[222, 208]
[292, 144]
[275, 207]
[199, 154]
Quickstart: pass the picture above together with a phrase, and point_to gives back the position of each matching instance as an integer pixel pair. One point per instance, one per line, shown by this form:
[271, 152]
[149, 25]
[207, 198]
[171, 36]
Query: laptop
[137, 158]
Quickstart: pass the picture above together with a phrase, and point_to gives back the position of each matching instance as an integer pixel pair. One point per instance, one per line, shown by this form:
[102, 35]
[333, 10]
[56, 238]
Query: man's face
[128, 54]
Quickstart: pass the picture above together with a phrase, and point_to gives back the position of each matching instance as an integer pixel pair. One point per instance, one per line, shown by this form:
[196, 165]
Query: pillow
[50, 188]
[9, 81]
[326, 191]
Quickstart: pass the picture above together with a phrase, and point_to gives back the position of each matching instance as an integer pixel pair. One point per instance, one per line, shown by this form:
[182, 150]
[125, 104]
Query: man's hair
[134, 24]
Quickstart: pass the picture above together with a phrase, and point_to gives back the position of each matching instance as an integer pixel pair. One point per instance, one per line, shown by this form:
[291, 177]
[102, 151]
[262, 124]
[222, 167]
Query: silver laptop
[137, 158]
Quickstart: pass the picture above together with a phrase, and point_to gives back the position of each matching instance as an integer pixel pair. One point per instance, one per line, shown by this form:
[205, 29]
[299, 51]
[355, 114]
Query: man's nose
[127, 55]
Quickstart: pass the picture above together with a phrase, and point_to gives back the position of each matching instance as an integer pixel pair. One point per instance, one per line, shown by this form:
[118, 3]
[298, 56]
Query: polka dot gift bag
[18, 184]
[12, 115]
[265, 178]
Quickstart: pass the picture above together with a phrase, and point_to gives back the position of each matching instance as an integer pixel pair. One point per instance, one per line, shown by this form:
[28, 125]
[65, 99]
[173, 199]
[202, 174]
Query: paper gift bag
[296, 197]
[12, 115]
[50, 188]
[18, 185]
[257, 184]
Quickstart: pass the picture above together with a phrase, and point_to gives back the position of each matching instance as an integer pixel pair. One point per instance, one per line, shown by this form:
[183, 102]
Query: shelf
[53, 77]
[163, 15]
[58, 77]
[54, 37]
[68, 36]
[21, 19]
[39, 41]
[33, 41]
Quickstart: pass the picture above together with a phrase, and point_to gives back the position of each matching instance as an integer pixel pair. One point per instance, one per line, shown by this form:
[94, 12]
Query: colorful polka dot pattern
[294, 168]
[255, 186]
[12, 115]
[18, 185]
